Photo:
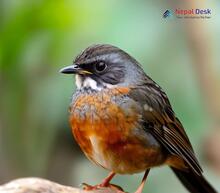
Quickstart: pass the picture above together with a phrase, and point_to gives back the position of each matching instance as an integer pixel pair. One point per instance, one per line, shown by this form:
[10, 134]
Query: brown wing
[160, 120]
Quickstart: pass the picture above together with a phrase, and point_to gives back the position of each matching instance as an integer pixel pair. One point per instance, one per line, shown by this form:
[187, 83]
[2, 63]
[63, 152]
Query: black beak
[72, 69]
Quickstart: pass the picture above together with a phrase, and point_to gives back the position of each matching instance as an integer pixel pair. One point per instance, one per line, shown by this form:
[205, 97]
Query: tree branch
[38, 185]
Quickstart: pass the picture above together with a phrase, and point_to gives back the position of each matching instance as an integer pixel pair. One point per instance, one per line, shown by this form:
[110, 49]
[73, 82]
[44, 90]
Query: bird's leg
[104, 183]
[140, 188]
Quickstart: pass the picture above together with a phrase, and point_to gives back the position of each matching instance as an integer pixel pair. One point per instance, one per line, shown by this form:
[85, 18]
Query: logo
[167, 14]
[188, 13]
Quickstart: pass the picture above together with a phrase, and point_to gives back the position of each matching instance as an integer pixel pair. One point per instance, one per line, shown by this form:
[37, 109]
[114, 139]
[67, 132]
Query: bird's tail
[193, 182]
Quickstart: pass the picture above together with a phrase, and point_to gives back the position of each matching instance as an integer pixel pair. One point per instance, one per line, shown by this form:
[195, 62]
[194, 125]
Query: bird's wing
[160, 120]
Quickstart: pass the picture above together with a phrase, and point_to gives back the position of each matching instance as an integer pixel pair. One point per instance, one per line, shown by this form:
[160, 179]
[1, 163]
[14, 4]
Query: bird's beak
[74, 69]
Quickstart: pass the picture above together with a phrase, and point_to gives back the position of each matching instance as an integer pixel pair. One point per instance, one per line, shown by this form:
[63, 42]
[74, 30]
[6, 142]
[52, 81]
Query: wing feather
[162, 123]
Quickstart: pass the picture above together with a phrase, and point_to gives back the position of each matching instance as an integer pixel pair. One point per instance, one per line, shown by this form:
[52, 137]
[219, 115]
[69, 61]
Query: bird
[123, 120]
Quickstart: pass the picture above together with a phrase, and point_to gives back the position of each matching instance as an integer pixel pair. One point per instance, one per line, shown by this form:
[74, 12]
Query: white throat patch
[90, 83]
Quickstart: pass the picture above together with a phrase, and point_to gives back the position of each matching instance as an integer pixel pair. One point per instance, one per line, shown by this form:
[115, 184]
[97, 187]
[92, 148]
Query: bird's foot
[116, 188]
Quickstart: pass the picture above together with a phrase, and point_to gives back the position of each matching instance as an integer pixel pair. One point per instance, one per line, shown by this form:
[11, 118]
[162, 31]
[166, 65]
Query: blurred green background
[37, 38]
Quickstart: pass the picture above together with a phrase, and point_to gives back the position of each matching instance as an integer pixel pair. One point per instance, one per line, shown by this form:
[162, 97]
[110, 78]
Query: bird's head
[104, 66]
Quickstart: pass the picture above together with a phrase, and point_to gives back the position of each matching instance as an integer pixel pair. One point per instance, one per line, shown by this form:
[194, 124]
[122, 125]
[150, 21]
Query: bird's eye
[100, 66]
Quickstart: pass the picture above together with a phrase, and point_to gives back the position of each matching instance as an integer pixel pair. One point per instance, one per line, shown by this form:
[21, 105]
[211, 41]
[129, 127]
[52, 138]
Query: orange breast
[105, 132]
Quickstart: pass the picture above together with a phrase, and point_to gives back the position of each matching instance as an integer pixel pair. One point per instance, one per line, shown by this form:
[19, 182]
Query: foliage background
[39, 37]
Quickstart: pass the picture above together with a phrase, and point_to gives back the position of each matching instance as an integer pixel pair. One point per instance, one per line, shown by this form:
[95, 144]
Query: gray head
[105, 66]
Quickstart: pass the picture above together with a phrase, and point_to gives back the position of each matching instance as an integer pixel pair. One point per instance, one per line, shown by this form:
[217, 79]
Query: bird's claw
[88, 187]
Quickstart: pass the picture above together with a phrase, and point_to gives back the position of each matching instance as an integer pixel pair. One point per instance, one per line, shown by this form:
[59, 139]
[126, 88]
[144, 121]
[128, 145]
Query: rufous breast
[107, 126]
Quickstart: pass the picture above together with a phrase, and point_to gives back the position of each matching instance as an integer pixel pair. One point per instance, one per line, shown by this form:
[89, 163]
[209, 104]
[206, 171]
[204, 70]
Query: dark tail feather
[193, 182]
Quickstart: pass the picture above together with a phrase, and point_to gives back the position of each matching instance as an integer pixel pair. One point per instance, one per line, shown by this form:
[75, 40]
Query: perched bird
[123, 120]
